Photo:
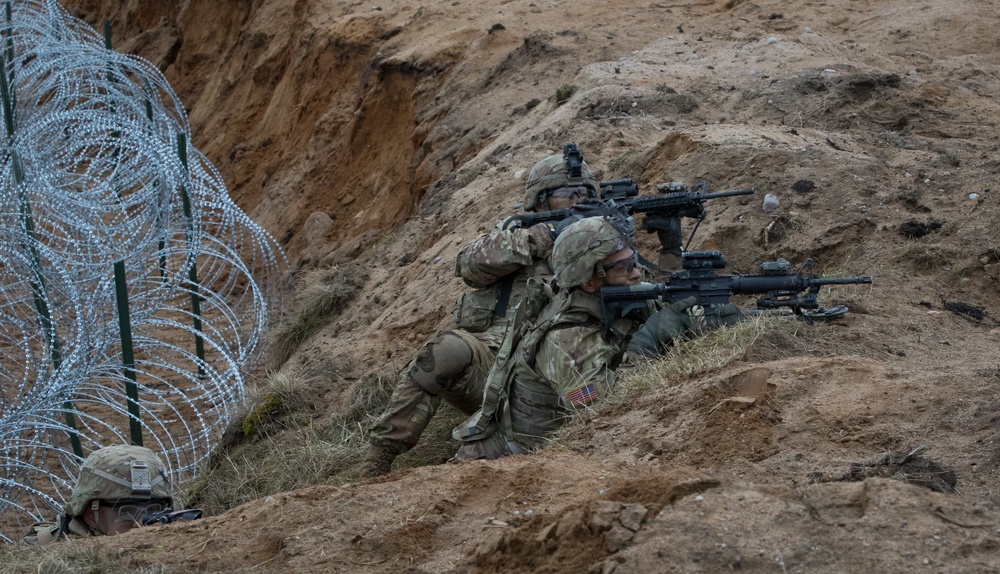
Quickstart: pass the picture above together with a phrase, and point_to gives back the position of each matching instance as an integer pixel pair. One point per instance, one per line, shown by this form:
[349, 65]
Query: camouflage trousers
[452, 366]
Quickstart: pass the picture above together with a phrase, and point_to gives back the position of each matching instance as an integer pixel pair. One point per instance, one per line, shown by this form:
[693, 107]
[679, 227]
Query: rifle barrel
[760, 284]
[677, 199]
[728, 193]
[842, 280]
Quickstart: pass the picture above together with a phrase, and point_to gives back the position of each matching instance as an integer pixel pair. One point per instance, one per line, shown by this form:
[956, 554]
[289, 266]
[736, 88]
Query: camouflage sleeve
[500, 253]
[578, 362]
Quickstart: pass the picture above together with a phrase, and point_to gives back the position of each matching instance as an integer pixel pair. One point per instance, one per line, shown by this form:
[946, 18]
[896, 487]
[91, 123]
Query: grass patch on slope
[325, 293]
[288, 449]
[306, 451]
[76, 558]
[643, 381]
[709, 352]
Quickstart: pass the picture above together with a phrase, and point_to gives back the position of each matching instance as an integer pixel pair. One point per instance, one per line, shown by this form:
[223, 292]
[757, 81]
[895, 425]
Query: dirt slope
[339, 126]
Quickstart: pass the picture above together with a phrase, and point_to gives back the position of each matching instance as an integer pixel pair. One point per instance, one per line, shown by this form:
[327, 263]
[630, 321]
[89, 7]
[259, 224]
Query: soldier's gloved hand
[557, 227]
[668, 231]
[702, 321]
[725, 316]
[663, 328]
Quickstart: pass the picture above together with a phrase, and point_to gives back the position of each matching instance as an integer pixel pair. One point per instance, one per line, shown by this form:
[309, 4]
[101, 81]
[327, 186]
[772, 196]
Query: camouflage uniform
[567, 358]
[454, 364]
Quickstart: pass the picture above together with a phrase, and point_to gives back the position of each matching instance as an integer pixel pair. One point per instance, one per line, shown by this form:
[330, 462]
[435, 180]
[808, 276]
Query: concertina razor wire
[107, 211]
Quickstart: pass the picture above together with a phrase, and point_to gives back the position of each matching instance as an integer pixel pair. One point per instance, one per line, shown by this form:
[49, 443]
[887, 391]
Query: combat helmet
[120, 472]
[556, 171]
[580, 248]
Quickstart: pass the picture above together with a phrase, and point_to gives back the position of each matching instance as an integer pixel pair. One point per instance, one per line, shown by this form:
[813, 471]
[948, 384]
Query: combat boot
[378, 461]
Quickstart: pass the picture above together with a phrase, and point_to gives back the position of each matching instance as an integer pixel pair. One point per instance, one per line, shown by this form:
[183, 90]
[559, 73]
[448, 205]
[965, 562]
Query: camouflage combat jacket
[566, 360]
[498, 265]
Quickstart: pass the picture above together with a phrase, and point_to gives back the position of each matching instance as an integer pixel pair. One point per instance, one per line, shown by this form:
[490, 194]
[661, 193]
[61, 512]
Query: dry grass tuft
[324, 451]
[907, 466]
[469, 173]
[279, 401]
[324, 295]
[929, 258]
[77, 557]
[564, 93]
[712, 351]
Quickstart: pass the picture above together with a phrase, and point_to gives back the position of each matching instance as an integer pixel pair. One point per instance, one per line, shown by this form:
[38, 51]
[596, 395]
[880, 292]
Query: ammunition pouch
[475, 310]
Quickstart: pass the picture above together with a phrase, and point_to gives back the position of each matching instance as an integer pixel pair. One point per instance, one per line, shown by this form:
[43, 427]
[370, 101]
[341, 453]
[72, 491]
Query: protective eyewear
[623, 266]
[136, 511]
[570, 191]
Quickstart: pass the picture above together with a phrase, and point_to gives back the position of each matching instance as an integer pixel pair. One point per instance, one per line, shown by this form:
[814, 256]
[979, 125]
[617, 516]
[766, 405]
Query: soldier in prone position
[118, 488]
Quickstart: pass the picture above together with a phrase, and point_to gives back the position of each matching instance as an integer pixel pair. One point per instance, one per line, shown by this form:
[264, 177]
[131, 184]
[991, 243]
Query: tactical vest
[535, 410]
[519, 399]
[480, 309]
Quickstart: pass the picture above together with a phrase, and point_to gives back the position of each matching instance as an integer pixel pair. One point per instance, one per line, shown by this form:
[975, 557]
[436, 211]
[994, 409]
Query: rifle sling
[647, 263]
[503, 297]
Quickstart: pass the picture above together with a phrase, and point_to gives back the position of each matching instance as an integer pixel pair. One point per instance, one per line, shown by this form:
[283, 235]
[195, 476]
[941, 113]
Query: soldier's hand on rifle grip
[668, 231]
[662, 328]
[725, 315]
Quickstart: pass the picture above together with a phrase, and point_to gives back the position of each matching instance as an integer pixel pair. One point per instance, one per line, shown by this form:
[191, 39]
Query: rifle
[168, 515]
[675, 200]
[778, 286]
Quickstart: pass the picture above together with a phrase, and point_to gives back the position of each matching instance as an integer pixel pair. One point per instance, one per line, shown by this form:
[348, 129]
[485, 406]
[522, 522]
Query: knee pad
[441, 362]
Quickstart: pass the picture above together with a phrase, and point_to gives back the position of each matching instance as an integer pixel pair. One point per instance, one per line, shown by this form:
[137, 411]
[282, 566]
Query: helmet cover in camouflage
[120, 472]
[582, 246]
[552, 173]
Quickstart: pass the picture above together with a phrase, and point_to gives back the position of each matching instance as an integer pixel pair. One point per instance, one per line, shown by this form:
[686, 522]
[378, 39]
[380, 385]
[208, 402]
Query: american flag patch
[583, 395]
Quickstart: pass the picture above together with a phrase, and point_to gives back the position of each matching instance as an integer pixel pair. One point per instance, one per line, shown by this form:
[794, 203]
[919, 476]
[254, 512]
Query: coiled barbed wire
[102, 200]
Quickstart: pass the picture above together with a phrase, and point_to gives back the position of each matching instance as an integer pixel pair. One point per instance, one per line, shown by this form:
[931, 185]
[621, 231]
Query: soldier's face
[105, 520]
[621, 268]
[565, 197]
[112, 519]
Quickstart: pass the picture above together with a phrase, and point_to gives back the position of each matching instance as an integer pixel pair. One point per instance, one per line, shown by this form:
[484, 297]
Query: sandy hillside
[390, 133]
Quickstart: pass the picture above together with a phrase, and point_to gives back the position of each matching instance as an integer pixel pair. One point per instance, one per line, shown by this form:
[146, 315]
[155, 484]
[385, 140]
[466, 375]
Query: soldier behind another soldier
[454, 363]
[567, 357]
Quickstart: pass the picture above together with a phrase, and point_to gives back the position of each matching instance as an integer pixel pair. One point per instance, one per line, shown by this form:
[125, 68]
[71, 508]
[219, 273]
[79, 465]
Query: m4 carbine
[674, 200]
[169, 515]
[776, 286]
